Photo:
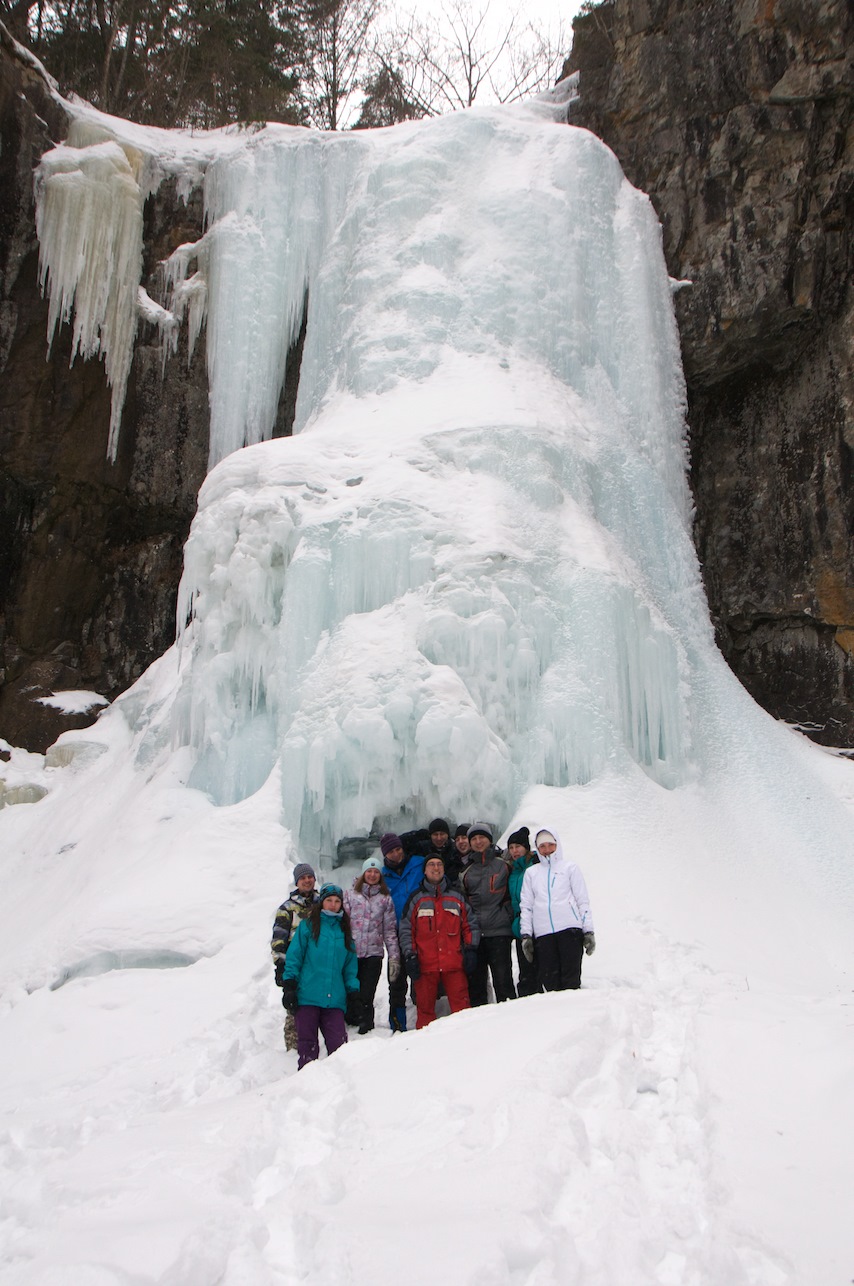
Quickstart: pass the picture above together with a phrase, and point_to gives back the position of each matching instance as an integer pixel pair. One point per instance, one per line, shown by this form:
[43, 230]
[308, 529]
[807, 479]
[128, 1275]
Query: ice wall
[470, 570]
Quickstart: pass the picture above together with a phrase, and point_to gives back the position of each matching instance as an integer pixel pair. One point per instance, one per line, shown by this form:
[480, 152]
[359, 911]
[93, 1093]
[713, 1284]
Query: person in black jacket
[484, 882]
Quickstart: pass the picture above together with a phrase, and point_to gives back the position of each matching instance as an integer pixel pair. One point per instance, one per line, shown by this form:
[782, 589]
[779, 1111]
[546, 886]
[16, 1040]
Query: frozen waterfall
[470, 570]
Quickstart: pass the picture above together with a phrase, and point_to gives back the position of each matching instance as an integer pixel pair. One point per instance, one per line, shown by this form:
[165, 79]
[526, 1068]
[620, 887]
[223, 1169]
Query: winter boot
[367, 1021]
[397, 1018]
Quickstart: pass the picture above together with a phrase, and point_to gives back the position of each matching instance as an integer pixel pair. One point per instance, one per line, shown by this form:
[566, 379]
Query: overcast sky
[546, 15]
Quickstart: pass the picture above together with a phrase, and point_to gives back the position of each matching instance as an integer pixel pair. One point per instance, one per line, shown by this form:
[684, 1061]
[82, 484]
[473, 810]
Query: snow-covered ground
[685, 1118]
[465, 587]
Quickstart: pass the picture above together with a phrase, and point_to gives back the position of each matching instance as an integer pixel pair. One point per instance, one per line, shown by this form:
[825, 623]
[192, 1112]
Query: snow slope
[466, 586]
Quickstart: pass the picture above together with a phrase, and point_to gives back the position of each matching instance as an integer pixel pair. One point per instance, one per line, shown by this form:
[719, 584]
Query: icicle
[89, 224]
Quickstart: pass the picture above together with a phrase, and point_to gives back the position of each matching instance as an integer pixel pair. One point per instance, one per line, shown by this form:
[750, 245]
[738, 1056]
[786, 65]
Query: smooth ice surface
[465, 587]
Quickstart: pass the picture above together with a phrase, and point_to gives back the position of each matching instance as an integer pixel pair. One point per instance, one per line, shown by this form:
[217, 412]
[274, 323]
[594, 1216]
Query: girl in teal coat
[321, 970]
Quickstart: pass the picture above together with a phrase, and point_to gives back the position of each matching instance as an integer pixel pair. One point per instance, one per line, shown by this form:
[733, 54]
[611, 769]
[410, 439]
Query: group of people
[445, 911]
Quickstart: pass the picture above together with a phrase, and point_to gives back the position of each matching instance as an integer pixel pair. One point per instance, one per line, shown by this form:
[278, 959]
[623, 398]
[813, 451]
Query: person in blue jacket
[403, 875]
[321, 973]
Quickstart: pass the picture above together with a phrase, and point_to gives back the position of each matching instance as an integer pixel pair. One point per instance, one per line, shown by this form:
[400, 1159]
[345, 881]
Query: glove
[528, 949]
[289, 994]
[353, 1012]
[413, 968]
[280, 972]
[393, 970]
[589, 944]
[469, 960]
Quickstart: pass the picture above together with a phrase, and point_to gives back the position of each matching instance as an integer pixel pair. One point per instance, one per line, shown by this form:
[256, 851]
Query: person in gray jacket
[484, 882]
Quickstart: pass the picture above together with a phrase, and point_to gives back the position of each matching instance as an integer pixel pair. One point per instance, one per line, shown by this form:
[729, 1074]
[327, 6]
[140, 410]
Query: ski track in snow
[575, 1124]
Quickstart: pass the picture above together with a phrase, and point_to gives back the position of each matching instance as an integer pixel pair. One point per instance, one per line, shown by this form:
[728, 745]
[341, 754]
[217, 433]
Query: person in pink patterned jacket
[373, 924]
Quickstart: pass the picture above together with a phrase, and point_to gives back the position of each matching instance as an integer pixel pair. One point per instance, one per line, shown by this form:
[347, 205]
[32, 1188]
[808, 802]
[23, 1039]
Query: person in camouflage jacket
[289, 916]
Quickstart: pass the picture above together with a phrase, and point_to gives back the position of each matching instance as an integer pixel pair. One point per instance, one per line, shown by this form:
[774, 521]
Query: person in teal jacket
[321, 972]
[519, 848]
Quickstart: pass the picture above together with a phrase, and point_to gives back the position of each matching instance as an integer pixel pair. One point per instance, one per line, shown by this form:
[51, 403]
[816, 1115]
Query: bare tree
[338, 34]
[445, 63]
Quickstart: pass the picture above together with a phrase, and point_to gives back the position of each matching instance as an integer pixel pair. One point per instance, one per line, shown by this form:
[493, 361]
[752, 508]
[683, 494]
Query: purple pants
[310, 1020]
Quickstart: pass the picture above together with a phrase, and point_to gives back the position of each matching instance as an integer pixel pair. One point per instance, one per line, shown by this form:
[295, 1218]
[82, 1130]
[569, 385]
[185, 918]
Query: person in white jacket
[555, 913]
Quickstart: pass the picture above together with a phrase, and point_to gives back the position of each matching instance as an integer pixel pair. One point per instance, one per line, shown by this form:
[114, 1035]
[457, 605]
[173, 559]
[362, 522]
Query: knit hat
[301, 869]
[389, 842]
[480, 828]
[434, 856]
[547, 836]
[330, 891]
[462, 829]
[521, 836]
[438, 824]
[371, 863]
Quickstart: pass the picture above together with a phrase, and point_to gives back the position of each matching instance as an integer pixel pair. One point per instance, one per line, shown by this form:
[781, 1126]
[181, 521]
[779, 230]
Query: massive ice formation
[470, 570]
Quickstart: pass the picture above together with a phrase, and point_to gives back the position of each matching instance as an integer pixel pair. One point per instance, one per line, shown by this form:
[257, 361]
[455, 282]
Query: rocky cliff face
[736, 117]
[90, 552]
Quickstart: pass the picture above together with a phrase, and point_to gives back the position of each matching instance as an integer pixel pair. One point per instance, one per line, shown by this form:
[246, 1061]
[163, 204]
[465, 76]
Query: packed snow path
[560, 1139]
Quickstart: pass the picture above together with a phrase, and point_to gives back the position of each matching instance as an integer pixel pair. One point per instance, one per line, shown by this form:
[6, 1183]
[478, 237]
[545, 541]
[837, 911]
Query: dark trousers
[370, 969]
[397, 989]
[493, 955]
[529, 978]
[427, 990]
[310, 1019]
[559, 959]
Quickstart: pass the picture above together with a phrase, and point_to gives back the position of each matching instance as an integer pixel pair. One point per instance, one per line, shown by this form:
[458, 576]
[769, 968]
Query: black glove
[280, 972]
[589, 943]
[469, 960]
[289, 994]
[353, 1012]
[413, 968]
[528, 949]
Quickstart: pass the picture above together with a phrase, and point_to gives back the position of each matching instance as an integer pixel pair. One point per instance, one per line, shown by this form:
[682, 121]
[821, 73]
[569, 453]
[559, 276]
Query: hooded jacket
[372, 921]
[403, 880]
[436, 924]
[514, 886]
[326, 970]
[554, 896]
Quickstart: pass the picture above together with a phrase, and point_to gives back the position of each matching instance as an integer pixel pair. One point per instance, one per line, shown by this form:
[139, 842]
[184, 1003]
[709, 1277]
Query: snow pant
[310, 1019]
[427, 989]
[290, 1032]
[397, 989]
[290, 1029]
[493, 955]
[559, 959]
[529, 978]
[397, 1000]
[370, 968]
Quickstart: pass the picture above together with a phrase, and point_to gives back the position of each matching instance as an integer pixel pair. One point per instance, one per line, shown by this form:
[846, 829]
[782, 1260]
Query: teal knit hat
[329, 891]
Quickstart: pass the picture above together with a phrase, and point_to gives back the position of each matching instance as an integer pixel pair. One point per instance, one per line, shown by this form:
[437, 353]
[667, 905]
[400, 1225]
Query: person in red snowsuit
[439, 936]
